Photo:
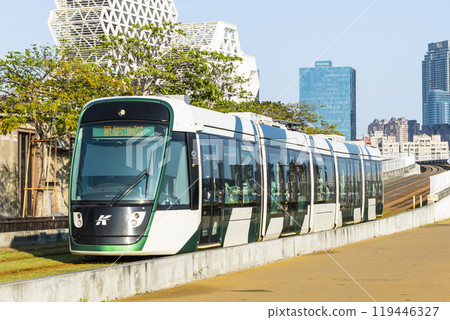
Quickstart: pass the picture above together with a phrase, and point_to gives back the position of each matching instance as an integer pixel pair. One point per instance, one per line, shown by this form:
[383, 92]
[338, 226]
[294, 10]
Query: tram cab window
[175, 184]
[110, 155]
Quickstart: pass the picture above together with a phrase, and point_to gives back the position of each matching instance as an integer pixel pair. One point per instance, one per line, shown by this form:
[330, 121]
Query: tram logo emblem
[103, 220]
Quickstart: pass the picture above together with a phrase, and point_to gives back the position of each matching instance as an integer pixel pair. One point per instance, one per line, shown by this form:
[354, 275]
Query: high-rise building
[436, 109]
[413, 129]
[397, 128]
[376, 126]
[334, 87]
[436, 84]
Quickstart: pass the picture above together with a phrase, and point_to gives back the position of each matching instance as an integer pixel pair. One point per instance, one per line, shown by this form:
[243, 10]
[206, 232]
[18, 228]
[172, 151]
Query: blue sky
[385, 47]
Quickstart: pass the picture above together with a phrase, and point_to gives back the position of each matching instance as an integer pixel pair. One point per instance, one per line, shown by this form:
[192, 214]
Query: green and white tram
[156, 176]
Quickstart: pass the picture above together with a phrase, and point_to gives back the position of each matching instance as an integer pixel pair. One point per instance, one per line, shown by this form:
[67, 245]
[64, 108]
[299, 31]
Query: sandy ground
[409, 266]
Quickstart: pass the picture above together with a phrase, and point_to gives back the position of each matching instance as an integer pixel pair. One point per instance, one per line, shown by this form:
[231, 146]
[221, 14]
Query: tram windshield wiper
[130, 186]
[144, 174]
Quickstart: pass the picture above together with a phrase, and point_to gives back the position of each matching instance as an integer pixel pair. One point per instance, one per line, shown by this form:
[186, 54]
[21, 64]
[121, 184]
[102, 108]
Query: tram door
[212, 193]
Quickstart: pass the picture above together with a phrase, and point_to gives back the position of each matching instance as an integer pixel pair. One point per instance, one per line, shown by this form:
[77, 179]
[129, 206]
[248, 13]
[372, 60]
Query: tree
[159, 60]
[302, 114]
[48, 87]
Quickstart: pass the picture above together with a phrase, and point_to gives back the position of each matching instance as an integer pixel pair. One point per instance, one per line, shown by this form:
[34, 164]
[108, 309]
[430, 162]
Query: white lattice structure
[81, 23]
[223, 37]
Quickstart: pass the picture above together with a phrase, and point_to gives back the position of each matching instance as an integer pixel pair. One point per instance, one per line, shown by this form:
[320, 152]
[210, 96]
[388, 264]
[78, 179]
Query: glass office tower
[436, 109]
[334, 87]
[436, 84]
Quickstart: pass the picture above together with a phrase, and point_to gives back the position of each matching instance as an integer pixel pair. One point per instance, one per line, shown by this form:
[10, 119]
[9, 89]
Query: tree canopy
[48, 87]
[160, 60]
[304, 115]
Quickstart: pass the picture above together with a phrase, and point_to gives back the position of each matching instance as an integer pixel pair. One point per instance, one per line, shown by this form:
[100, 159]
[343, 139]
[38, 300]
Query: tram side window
[375, 183]
[351, 182]
[358, 182]
[216, 165]
[343, 182]
[324, 179]
[294, 181]
[302, 172]
[285, 176]
[274, 178]
[379, 179]
[206, 169]
[232, 171]
[369, 178]
[175, 183]
[250, 173]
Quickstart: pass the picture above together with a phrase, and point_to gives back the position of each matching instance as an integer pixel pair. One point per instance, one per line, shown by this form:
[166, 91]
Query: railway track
[398, 194]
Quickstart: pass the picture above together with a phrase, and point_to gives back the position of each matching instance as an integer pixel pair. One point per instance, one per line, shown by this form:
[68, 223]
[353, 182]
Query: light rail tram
[156, 176]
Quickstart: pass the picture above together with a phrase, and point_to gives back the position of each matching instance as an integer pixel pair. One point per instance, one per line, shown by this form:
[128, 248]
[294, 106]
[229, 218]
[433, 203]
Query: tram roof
[188, 118]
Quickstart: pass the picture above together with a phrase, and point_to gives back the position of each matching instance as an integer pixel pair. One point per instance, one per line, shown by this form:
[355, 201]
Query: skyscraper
[436, 84]
[334, 87]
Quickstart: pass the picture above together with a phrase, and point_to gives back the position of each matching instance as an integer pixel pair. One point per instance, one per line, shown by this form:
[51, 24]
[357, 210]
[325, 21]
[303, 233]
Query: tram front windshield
[122, 158]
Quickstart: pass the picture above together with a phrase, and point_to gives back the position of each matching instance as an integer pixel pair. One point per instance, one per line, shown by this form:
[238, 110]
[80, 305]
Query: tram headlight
[136, 218]
[77, 219]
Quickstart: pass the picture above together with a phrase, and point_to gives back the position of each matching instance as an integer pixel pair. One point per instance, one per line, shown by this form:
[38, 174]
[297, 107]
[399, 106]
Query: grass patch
[39, 261]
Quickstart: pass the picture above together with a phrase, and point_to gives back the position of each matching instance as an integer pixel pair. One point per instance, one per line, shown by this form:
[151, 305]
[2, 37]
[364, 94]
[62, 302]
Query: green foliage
[143, 55]
[48, 87]
[303, 114]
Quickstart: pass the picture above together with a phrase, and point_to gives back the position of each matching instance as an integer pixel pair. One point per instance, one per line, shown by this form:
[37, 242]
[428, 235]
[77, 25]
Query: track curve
[399, 193]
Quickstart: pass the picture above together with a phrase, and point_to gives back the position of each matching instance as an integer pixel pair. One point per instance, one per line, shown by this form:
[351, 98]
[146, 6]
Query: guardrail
[401, 161]
[439, 182]
[433, 157]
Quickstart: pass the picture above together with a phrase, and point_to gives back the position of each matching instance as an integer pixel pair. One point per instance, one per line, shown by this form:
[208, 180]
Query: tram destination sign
[123, 131]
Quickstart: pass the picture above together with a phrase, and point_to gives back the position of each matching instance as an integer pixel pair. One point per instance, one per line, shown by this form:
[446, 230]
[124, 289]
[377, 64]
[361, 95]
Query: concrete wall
[9, 176]
[151, 275]
[22, 238]
[10, 202]
[402, 172]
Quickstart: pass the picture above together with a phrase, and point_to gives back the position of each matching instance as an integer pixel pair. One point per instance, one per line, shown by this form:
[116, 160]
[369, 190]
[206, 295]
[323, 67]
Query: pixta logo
[103, 220]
